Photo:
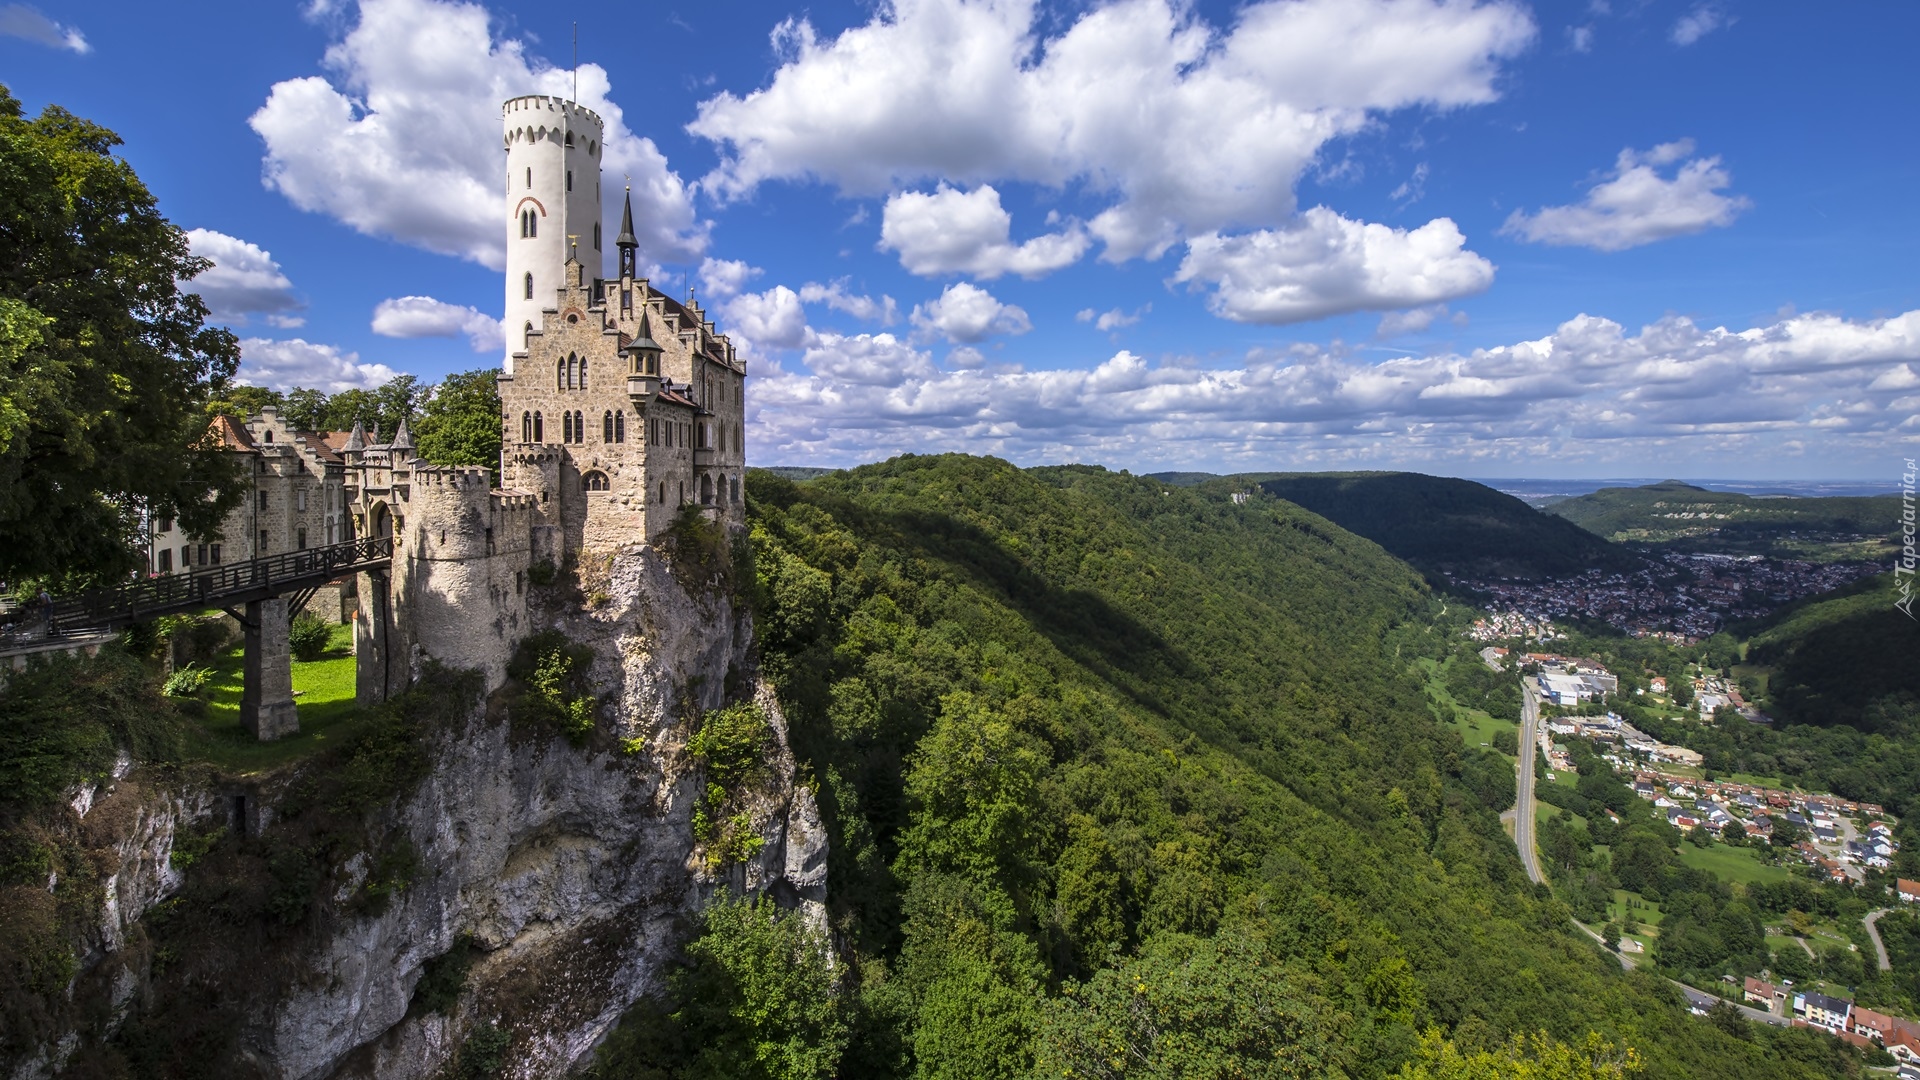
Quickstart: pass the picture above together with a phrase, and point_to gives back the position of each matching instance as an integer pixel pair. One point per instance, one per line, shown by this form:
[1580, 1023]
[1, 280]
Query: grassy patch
[323, 692]
[1731, 863]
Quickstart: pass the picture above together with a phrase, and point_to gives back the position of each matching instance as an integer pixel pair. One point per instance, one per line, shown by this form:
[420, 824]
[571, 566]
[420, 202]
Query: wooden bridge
[298, 574]
[261, 594]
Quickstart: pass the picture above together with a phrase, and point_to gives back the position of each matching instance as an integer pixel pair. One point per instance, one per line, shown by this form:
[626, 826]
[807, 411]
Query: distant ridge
[1184, 479]
[1684, 517]
[799, 474]
[1447, 527]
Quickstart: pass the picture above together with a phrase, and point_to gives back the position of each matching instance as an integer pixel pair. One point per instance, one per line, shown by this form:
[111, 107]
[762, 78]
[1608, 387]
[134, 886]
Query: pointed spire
[358, 440]
[645, 340]
[625, 239]
[401, 439]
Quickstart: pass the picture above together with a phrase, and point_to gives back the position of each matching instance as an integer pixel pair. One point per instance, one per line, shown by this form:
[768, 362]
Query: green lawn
[1731, 863]
[1476, 728]
[323, 692]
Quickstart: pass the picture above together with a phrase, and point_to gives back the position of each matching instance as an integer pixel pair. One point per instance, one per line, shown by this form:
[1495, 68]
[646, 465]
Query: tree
[1701, 835]
[757, 997]
[1734, 833]
[1536, 1057]
[1682, 689]
[1610, 934]
[106, 366]
[460, 423]
[243, 402]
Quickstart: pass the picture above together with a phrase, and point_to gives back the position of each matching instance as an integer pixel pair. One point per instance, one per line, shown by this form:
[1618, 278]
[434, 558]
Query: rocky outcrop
[570, 873]
[574, 873]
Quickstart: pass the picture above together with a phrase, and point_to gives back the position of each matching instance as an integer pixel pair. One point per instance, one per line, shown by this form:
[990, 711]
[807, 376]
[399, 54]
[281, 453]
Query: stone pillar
[266, 697]
[372, 639]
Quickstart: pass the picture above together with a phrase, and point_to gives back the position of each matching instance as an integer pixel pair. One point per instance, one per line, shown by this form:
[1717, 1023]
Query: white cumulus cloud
[1327, 264]
[1185, 128]
[723, 278]
[1698, 23]
[423, 316]
[1588, 393]
[1114, 319]
[967, 232]
[29, 23]
[838, 297]
[965, 314]
[1637, 205]
[243, 281]
[284, 365]
[401, 138]
[771, 319]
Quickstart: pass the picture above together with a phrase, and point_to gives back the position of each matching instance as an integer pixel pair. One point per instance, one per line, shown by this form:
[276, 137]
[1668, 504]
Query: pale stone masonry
[620, 408]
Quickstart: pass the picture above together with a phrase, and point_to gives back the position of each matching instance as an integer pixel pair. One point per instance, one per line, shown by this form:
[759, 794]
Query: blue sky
[1487, 239]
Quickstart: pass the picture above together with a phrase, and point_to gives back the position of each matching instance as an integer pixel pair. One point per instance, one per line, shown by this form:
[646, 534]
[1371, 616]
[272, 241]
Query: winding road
[1873, 931]
[1523, 817]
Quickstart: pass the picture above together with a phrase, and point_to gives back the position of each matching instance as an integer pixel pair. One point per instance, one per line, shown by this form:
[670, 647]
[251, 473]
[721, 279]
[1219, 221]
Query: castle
[619, 407]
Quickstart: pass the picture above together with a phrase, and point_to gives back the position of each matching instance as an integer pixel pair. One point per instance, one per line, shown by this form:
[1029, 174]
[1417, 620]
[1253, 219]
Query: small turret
[357, 440]
[402, 441]
[643, 374]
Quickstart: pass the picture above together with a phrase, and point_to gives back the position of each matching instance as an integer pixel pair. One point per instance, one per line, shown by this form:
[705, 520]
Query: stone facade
[622, 407]
[296, 500]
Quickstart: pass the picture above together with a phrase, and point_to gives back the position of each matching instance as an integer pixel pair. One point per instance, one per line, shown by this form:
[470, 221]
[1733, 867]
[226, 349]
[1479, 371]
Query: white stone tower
[553, 192]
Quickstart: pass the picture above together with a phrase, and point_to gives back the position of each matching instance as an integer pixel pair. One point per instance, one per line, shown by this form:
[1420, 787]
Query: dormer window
[268, 437]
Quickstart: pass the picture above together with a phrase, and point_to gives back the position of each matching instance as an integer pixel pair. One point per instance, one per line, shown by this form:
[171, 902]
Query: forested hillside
[1124, 779]
[1449, 527]
[1683, 517]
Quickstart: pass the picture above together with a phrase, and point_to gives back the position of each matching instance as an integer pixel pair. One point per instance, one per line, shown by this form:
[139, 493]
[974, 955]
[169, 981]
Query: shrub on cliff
[553, 690]
[756, 1000]
[63, 719]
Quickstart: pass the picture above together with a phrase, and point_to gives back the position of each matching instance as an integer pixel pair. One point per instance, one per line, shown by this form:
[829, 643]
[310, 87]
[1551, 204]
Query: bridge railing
[208, 586]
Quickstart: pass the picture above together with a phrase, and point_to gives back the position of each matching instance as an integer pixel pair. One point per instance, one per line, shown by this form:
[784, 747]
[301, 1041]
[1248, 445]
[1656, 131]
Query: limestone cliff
[569, 873]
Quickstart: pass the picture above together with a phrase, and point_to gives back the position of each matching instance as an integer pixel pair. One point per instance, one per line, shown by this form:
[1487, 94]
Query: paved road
[1873, 932]
[1523, 838]
[1702, 999]
[1523, 805]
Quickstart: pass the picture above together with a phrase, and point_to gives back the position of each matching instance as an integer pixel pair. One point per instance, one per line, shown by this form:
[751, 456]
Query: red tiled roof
[231, 434]
[317, 442]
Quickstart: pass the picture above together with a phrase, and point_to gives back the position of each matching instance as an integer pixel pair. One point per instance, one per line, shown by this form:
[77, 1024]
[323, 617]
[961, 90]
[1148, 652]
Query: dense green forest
[1682, 517]
[1447, 527]
[1124, 779]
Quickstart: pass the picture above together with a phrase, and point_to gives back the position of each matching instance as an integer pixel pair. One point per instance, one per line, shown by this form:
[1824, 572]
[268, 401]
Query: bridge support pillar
[372, 638]
[266, 697]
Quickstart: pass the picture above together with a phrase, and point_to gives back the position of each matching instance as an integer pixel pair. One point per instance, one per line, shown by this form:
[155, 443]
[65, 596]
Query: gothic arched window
[620, 426]
[606, 426]
[529, 294]
[539, 427]
[559, 374]
[579, 427]
[596, 236]
[583, 373]
[526, 427]
[566, 427]
[706, 491]
[595, 481]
